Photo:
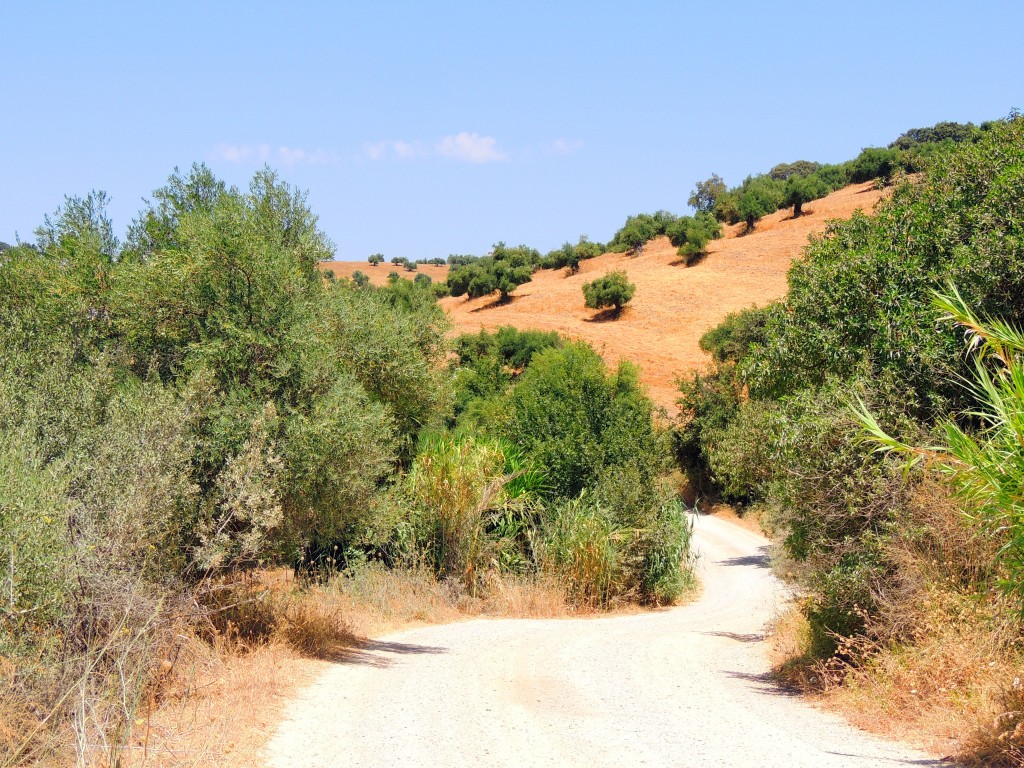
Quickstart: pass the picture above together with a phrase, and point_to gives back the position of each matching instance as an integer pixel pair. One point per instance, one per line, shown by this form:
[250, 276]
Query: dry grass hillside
[673, 306]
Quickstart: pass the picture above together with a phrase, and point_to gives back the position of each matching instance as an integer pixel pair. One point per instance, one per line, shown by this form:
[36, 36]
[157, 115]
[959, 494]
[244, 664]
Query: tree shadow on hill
[376, 653]
[606, 315]
[693, 261]
[498, 302]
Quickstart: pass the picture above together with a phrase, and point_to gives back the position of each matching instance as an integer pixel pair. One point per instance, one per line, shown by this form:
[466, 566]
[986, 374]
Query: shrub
[757, 197]
[875, 163]
[640, 229]
[503, 270]
[691, 234]
[612, 290]
[360, 279]
[571, 417]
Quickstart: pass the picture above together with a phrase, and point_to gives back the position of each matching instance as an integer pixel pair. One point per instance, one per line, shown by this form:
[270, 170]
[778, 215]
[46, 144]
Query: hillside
[674, 305]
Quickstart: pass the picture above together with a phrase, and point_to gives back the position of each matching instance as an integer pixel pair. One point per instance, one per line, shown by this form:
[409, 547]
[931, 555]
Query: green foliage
[489, 362]
[573, 418]
[621, 539]
[757, 197]
[569, 256]
[375, 259]
[771, 423]
[359, 279]
[875, 163]
[691, 234]
[503, 270]
[938, 133]
[423, 279]
[706, 194]
[732, 339]
[986, 469]
[862, 296]
[410, 266]
[784, 171]
[640, 229]
[803, 189]
[611, 290]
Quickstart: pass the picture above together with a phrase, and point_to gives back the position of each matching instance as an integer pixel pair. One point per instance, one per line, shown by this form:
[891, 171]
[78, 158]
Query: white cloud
[465, 147]
[384, 149]
[264, 153]
[565, 146]
[470, 148]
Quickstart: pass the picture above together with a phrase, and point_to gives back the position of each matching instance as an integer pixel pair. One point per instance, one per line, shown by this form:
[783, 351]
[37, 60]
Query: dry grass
[941, 664]
[379, 275]
[674, 304]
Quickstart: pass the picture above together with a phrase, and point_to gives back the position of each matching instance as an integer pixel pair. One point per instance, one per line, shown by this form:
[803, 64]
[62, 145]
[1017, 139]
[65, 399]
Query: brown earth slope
[673, 306]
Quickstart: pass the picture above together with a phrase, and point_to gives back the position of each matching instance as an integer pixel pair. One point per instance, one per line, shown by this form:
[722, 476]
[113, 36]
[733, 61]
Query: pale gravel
[681, 687]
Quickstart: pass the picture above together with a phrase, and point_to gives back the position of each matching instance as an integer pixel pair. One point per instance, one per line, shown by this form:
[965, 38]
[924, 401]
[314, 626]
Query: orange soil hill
[674, 305]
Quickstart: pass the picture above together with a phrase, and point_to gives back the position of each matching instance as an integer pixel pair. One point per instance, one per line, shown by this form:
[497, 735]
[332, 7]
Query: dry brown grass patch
[941, 661]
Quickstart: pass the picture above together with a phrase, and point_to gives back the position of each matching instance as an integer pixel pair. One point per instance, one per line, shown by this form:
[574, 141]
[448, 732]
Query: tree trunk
[798, 208]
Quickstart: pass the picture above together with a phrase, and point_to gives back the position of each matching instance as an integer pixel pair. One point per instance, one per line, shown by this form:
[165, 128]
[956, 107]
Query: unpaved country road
[683, 687]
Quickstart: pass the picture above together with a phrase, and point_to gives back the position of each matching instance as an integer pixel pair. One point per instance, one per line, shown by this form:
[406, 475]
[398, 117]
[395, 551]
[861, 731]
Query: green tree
[611, 290]
[875, 163]
[360, 279]
[706, 193]
[803, 189]
[691, 234]
[783, 171]
[375, 259]
[759, 196]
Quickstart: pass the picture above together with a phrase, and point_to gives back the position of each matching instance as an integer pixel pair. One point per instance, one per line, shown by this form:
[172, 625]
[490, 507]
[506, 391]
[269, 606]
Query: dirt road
[682, 687]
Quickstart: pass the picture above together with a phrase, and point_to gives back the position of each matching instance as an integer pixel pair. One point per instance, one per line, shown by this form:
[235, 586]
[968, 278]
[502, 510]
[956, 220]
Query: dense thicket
[197, 401]
[772, 422]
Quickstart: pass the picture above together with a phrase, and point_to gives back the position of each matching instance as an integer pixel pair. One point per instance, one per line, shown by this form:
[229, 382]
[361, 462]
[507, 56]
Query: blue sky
[423, 129]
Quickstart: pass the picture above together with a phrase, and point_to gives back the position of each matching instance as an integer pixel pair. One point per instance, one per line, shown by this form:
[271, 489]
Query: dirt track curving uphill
[680, 687]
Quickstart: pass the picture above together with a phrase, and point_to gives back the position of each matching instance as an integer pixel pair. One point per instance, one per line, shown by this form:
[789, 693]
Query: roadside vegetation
[193, 409]
[910, 573]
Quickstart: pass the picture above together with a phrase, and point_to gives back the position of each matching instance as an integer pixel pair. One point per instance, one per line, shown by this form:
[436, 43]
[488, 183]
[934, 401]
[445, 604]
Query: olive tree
[613, 290]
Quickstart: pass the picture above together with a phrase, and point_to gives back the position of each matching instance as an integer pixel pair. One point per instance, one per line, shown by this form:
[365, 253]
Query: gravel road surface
[681, 687]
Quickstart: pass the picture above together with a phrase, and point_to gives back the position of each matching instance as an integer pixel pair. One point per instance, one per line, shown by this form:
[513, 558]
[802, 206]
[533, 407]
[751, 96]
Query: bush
[875, 163]
[691, 234]
[640, 229]
[503, 270]
[758, 197]
[571, 417]
[612, 290]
